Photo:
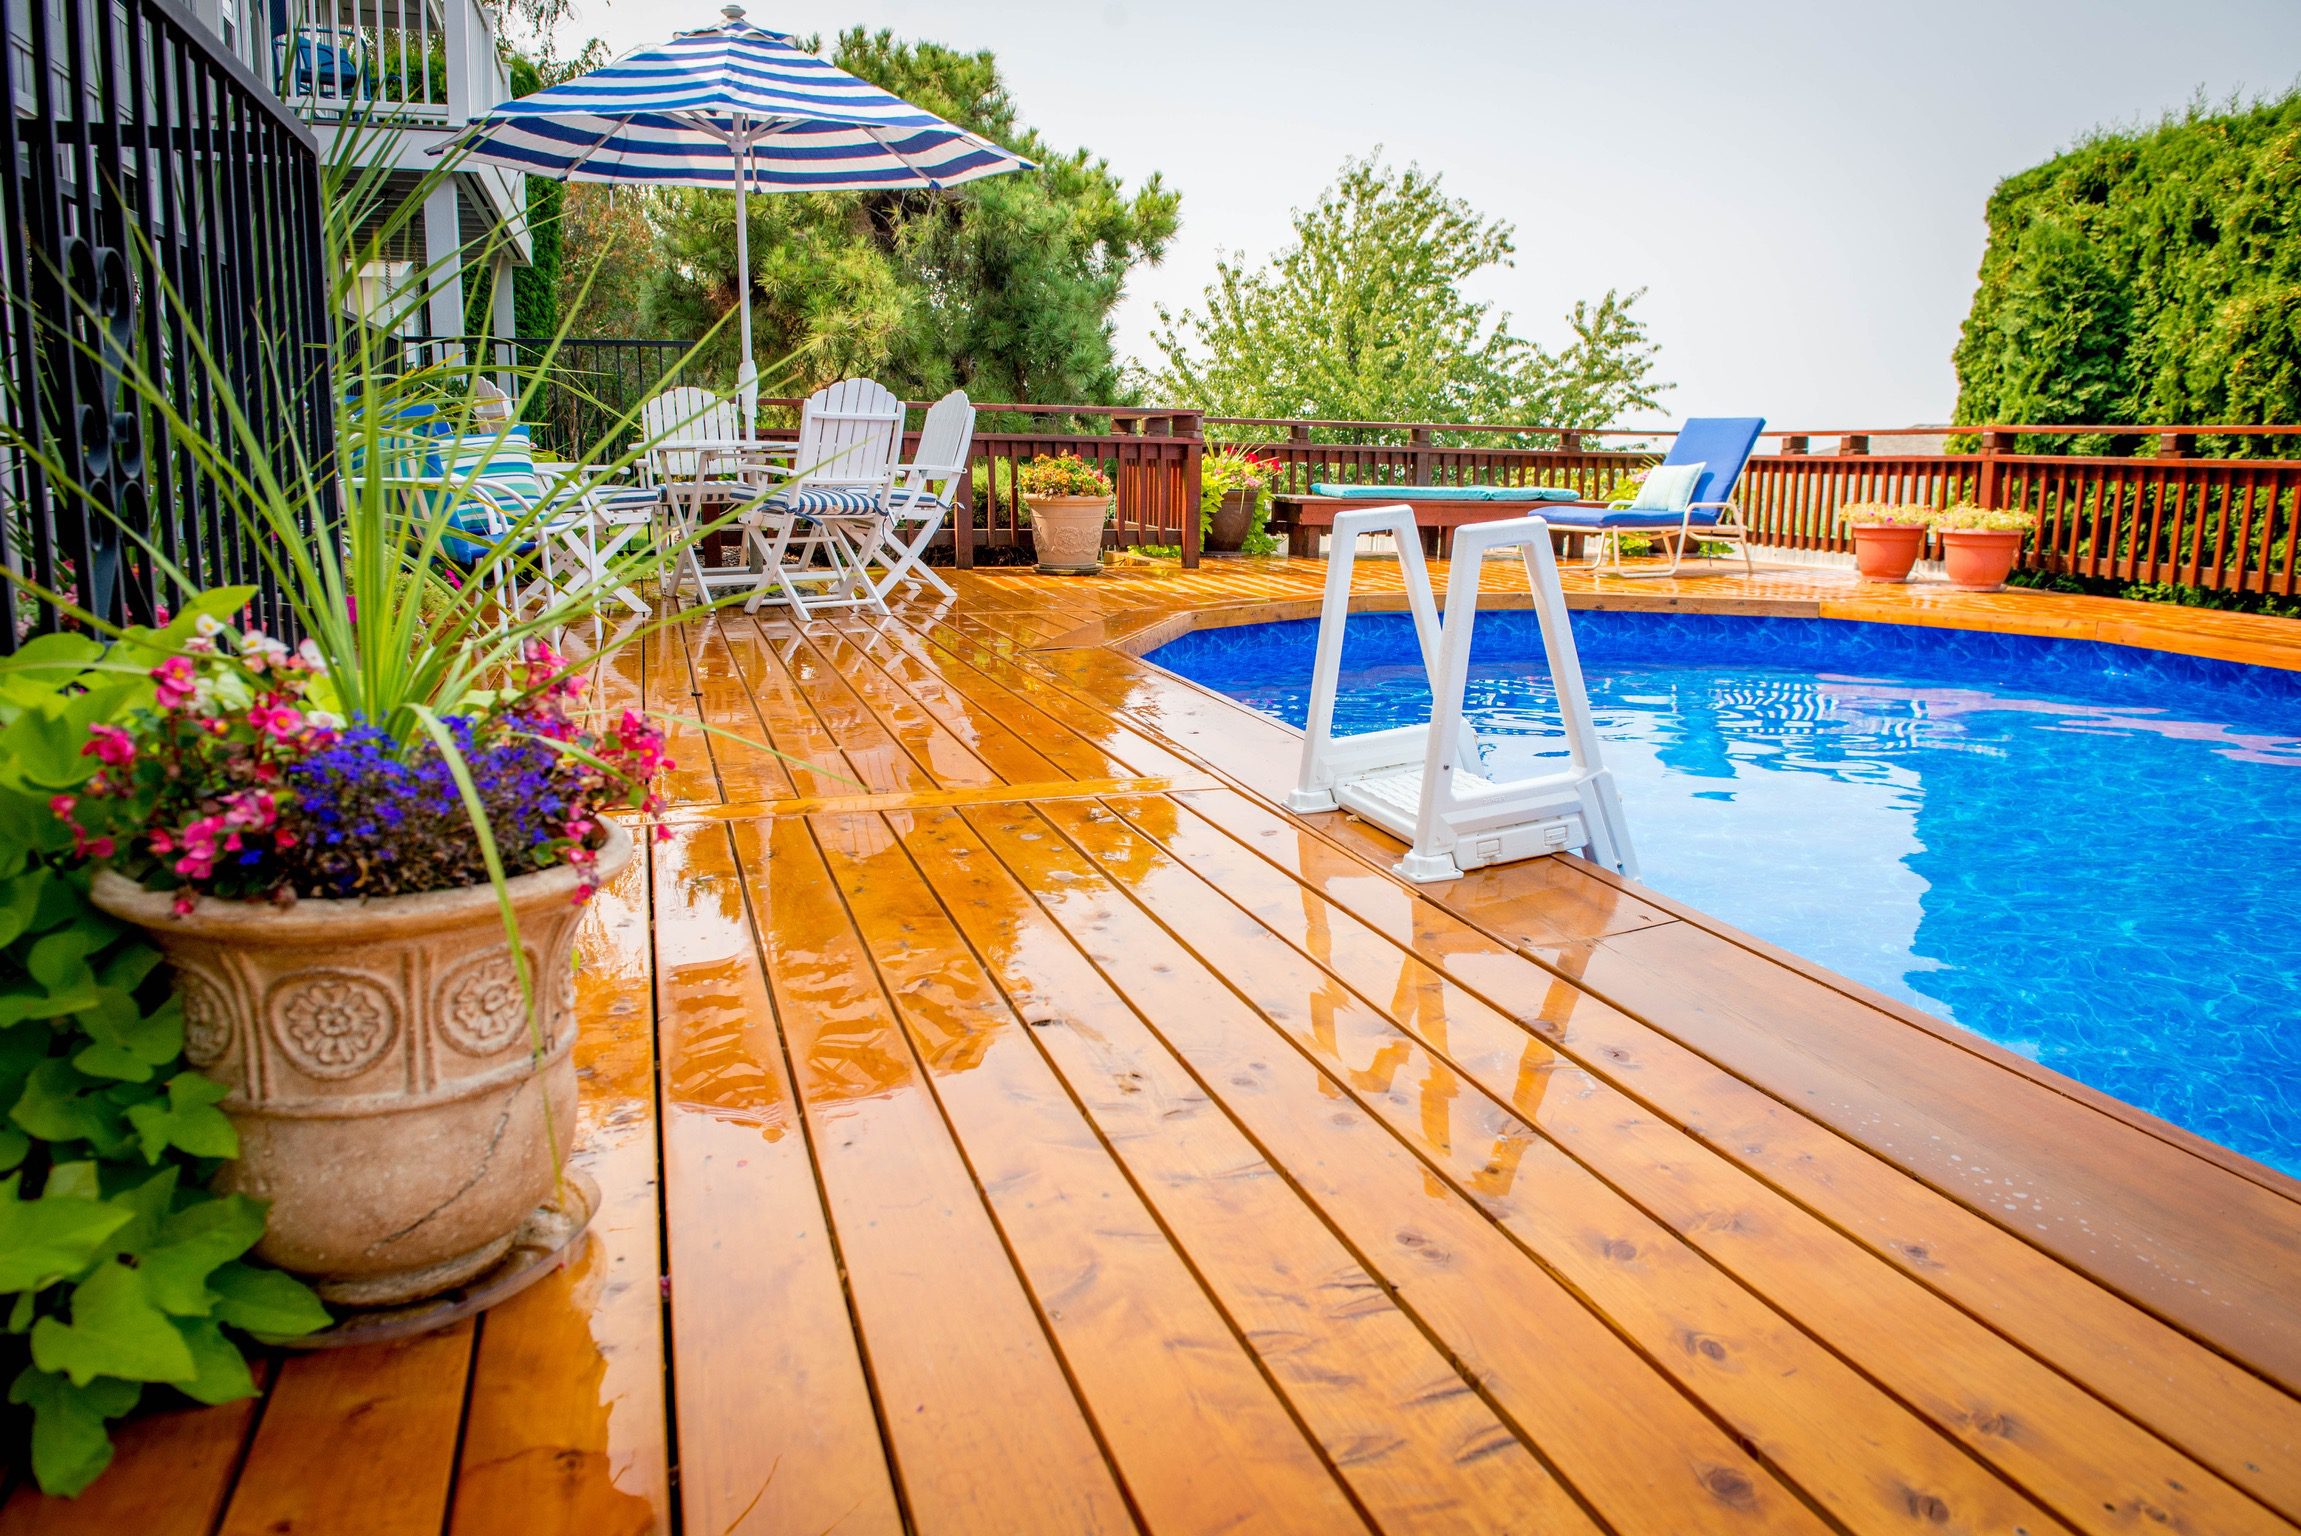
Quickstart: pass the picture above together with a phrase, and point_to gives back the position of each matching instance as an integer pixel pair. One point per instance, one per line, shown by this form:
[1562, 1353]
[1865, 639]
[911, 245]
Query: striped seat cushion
[838, 501]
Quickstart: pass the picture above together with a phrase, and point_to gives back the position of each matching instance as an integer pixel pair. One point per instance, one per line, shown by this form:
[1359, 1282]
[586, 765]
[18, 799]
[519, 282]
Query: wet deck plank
[1055, 1134]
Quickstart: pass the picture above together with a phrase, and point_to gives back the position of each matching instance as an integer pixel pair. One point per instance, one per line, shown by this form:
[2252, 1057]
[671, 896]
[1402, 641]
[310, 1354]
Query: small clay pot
[1979, 559]
[1067, 531]
[1885, 552]
[394, 1103]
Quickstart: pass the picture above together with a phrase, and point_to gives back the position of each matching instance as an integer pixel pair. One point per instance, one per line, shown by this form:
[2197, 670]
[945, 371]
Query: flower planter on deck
[1979, 559]
[1068, 533]
[386, 1084]
[1886, 552]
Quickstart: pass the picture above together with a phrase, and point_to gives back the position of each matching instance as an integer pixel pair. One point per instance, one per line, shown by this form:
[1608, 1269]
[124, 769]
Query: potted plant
[1981, 544]
[332, 899]
[1070, 501]
[1887, 538]
[1234, 502]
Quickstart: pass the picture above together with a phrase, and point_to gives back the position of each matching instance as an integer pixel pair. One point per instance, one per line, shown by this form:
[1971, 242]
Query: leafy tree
[1363, 318]
[1003, 286]
[2146, 276]
[614, 246]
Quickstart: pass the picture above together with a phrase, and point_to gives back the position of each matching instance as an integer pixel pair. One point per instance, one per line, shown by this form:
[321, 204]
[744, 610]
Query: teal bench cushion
[1446, 492]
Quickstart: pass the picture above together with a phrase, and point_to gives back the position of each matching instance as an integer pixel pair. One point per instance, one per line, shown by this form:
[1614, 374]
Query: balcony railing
[162, 205]
[389, 62]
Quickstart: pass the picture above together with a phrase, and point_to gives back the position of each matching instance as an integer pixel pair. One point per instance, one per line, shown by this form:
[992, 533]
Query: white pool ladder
[1420, 782]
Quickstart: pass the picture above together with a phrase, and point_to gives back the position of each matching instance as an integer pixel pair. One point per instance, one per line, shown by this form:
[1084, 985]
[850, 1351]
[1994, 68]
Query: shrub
[2149, 275]
[123, 1271]
[1237, 469]
[1062, 474]
[229, 783]
[1969, 518]
[1875, 514]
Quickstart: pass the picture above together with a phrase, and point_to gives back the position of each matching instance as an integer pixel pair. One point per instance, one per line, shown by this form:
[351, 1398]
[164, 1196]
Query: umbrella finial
[732, 12]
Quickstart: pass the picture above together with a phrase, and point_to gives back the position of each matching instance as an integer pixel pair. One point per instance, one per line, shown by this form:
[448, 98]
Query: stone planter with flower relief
[392, 1101]
[1070, 502]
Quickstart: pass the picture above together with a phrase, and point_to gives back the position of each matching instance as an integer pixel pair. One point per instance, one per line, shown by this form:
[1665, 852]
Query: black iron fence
[156, 191]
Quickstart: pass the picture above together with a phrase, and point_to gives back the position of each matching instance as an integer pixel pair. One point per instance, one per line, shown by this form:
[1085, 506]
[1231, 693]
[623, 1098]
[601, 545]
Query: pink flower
[275, 719]
[111, 745]
[175, 679]
[183, 904]
[62, 805]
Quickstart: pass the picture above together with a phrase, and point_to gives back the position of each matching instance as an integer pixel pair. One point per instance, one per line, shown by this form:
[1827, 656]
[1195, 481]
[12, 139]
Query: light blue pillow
[1668, 488]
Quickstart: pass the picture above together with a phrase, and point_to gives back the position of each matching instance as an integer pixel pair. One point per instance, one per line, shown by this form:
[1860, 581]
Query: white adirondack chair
[920, 495]
[834, 501]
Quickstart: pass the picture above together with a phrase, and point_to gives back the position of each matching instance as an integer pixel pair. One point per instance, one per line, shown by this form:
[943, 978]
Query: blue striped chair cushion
[824, 501]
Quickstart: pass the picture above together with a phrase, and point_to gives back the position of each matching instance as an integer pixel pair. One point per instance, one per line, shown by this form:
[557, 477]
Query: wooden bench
[1305, 517]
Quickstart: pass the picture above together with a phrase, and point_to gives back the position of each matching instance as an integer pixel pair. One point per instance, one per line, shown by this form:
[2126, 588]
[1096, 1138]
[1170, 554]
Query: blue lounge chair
[1701, 507]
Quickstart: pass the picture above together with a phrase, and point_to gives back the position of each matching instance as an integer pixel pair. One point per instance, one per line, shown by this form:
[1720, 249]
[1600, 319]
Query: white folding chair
[832, 505]
[920, 495]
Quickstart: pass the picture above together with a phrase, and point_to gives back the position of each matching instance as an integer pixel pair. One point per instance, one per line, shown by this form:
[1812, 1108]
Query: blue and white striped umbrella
[731, 106]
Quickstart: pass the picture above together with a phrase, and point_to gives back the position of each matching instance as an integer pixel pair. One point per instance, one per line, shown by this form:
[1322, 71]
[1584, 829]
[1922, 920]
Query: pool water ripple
[2086, 853]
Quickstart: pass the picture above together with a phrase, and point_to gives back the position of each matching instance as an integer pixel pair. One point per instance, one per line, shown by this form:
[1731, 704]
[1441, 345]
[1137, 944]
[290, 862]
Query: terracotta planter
[1886, 551]
[384, 1079]
[1067, 531]
[1979, 559]
[1226, 531]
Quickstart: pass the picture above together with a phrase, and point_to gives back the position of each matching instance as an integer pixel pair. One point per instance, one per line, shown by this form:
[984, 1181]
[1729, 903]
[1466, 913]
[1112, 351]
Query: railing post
[1420, 440]
[1797, 445]
[2175, 445]
[1854, 444]
[1985, 486]
[1189, 428]
[461, 61]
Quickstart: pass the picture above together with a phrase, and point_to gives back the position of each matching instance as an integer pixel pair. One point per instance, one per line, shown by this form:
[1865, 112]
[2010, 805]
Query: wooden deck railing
[2225, 523]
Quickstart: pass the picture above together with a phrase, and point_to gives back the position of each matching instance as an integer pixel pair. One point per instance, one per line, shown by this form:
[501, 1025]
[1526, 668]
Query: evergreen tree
[1363, 318]
[2145, 277]
[1003, 286]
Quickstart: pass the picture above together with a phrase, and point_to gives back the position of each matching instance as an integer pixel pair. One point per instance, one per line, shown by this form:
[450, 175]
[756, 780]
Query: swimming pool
[2088, 853]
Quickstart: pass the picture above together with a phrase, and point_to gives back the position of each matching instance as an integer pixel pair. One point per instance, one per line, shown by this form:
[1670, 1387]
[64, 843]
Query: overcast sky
[1797, 185]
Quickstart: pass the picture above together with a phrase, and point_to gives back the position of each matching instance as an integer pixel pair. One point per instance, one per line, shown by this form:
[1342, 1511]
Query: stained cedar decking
[1009, 1121]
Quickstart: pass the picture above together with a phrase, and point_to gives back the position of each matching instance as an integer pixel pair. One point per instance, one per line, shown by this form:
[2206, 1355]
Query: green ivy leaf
[19, 900]
[77, 1179]
[115, 1331]
[190, 1246]
[149, 1204]
[126, 1043]
[14, 1144]
[265, 1302]
[69, 1444]
[189, 1120]
[44, 1240]
[54, 1108]
[20, 1314]
[222, 1376]
[60, 959]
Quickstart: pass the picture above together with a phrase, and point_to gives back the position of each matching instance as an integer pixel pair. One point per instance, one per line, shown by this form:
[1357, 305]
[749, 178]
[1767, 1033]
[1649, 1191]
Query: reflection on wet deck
[1010, 1121]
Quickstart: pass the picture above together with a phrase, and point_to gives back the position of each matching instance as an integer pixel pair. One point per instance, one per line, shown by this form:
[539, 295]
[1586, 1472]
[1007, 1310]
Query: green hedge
[2146, 276]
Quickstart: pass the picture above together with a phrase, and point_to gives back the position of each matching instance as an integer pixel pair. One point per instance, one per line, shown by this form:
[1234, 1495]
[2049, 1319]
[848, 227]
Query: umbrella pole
[747, 375]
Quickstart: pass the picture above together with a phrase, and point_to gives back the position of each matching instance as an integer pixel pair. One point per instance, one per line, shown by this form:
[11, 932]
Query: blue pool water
[2088, 853]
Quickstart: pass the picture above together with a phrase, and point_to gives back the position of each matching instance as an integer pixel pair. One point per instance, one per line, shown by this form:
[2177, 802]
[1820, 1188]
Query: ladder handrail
[1456, 824]
[1334, 613]
[1450, 680]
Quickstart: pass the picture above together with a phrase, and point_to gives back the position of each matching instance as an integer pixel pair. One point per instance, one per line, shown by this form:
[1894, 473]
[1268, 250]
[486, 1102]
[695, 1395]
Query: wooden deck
[1010, 1121]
